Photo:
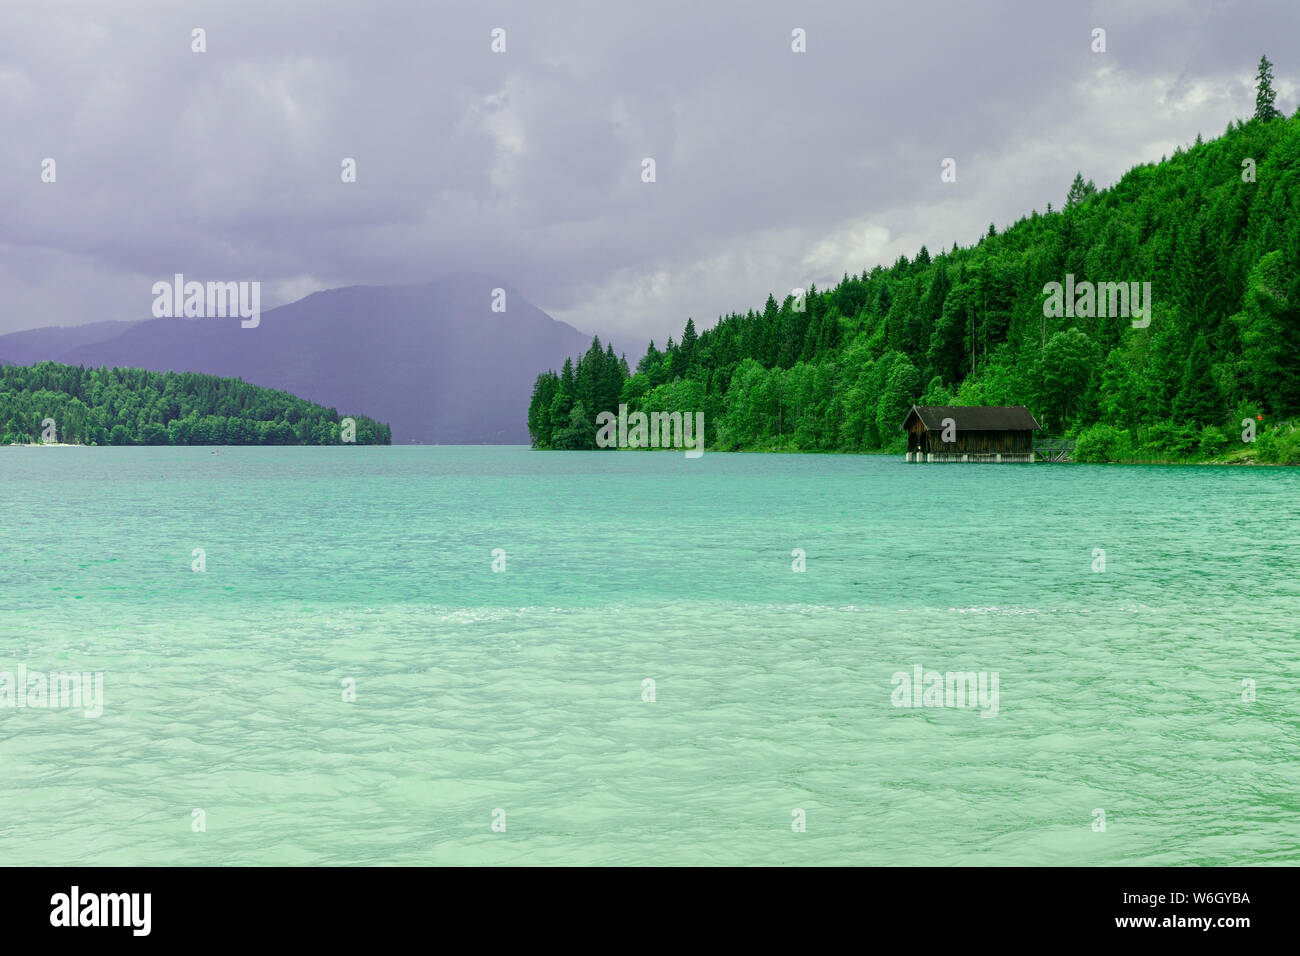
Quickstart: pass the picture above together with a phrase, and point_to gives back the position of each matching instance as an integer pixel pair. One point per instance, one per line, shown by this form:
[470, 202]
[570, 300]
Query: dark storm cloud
[773, 168]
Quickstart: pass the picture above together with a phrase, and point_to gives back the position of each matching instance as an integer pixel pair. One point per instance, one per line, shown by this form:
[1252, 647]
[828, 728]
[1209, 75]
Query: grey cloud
[772, 166]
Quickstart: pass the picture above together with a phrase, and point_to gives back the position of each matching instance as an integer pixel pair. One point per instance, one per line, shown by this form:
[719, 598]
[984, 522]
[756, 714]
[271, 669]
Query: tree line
[1215, 229]
[128, 406]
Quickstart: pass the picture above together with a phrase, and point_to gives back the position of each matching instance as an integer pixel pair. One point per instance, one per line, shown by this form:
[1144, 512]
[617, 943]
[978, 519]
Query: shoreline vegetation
[66, 406]
[1243, 461]
[1202, 370]
[1245, 457]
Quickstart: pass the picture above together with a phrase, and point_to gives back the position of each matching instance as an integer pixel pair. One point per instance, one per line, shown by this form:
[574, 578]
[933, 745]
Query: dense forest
[127, 406]
[1214, 229]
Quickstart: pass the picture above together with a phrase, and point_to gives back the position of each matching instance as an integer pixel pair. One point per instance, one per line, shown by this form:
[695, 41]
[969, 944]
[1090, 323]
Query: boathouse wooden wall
[921, 439]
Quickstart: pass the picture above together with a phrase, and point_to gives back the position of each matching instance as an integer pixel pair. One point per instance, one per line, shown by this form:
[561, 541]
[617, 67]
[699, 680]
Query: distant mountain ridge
[41, 344]
[432, 360]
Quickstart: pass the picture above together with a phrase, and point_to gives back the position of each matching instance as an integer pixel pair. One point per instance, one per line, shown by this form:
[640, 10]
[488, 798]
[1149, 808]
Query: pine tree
[1199, 399]
[770, 336]
[588, 378]
[651, 360]
[1269, 326]
[1265, 96]
[579, 435]
[567, 388]
[540, 426]
[1079, 191]
[687, 348]
[613, 375]
[565, 394]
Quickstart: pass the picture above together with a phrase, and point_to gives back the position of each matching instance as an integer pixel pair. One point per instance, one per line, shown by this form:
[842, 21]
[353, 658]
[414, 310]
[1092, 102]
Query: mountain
[40, 345]
[1205, 245]
[433, 360]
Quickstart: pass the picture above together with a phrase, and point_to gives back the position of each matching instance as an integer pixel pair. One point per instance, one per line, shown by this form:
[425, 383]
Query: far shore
[745, 451]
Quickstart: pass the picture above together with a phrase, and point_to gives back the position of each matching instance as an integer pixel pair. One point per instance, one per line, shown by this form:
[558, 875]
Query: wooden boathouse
[978, 433]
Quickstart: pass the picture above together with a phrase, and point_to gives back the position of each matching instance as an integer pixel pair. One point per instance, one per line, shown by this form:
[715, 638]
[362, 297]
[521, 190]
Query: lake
[644, 678]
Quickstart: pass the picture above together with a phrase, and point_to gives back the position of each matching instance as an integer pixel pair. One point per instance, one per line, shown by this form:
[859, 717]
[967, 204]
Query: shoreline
[1249, 463]
[886, 454]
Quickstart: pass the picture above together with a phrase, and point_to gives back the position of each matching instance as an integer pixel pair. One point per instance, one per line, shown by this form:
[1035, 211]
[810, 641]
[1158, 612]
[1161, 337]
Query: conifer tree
[651, 360]
[1079, 191]
[1199, 399]
[1265, 96]
[687, 347]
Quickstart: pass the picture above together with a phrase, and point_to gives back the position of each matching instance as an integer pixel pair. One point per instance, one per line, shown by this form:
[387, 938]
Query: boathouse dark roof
[974, 418]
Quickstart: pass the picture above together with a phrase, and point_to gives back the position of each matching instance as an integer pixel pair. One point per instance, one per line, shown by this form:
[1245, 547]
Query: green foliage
[1168, 441]
[1269, 331]
[901, 387]
[967, 326]
[1102, 443]
[1214, 441]
[1278, 444]
[577, 434]
[1265, 96]
[1199, 398]
[126, 406]
[563, 409]
[1080, 191]
[1067, 364]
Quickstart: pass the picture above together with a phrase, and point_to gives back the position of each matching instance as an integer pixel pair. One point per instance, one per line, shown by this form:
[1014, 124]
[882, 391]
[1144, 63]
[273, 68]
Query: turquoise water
[522, 690]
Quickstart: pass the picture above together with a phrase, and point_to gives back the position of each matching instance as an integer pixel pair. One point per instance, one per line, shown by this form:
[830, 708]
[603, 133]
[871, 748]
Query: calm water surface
[522, 691]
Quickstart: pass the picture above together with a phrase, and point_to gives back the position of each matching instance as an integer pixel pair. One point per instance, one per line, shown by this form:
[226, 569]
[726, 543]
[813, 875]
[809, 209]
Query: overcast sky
[774, 168]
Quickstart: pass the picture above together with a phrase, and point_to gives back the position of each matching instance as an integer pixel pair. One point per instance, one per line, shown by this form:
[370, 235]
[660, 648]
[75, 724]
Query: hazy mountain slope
[433, 360]
[39, 345]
